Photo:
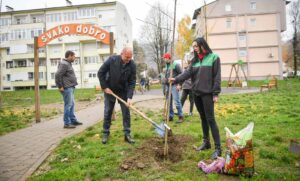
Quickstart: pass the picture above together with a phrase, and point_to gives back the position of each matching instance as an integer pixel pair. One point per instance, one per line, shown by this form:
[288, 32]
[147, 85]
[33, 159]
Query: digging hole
[151, 152]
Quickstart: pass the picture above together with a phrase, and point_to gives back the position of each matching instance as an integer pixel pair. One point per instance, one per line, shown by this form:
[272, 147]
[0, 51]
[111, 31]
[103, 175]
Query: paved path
[22, 151]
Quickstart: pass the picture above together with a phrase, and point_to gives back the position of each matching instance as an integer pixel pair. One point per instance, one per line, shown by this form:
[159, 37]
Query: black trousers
[109, 104]
[185, 93]
[205, 107]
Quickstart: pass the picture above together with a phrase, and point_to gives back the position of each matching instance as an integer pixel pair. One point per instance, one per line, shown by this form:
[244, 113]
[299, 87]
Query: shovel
[160, 129]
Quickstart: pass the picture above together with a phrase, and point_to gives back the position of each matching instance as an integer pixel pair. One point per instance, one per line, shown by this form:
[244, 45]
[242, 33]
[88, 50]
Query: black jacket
[120, 78]
[205, 75]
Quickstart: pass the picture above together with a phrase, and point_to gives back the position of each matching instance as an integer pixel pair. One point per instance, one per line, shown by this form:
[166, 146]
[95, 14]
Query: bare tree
[139, 56]
[152, 73]
[295, 15]
[156, 34]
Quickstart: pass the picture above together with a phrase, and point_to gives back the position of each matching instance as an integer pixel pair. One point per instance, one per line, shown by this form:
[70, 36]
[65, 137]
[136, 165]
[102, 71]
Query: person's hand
[178, 87]
[129, 102]
[215, 98]
[171, 80]
[61, 89]
[107, 91]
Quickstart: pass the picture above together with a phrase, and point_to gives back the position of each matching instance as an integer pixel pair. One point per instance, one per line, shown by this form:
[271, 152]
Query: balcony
[27, 83]
[27, 69]
[26, 55]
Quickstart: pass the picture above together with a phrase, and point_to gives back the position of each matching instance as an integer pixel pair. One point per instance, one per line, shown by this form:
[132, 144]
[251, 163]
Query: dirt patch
[151, 153]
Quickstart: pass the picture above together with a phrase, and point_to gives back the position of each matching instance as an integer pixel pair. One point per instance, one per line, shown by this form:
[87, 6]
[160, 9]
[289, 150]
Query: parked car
[290, 74]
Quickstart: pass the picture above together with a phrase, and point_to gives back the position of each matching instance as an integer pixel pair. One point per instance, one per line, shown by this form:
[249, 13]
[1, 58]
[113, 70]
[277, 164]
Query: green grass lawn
[23, 98]
[17, 106]
[276, 115]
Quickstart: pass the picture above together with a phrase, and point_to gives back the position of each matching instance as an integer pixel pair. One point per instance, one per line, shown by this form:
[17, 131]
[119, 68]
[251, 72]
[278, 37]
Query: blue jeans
[176, 97]
[69, 116]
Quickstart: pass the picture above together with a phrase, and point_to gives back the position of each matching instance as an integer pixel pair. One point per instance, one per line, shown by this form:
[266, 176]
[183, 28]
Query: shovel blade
[160, 129]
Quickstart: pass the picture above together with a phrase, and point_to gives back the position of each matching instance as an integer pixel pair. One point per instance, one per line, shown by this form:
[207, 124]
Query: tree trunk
[295, 43]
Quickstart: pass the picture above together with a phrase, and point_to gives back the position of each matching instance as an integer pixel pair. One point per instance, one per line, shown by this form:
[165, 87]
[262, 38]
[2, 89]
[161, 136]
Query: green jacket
[205, 75]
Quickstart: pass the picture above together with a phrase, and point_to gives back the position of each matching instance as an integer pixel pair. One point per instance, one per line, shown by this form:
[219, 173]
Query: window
[253, 5]
[253, 21]
[3, 37]
[55, 17]
[52, 75]
[228, 23]
[4, 21]
[92, 75]
[37, 18]
[41, 50]
[30, 63]
[41, 75]
[42, 62]
[242, 52]
[35, 32]
[9, 64]
[86, 12]
[90, 60]
[20, 19]
[29, 48]
[242, 36]
[7, 77]
[22, 34]
[21, 63]
[30, 75]
[228, 7]
[54, 61]
[70, 16]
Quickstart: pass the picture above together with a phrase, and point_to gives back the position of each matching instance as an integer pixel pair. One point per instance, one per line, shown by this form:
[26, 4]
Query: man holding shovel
[118, 75]
[175, 88]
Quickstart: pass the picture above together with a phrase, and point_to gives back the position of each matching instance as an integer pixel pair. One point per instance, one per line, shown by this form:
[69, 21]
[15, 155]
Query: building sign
[73, 29]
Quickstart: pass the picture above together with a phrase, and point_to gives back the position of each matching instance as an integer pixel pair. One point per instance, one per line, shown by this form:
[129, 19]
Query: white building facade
[18, 29]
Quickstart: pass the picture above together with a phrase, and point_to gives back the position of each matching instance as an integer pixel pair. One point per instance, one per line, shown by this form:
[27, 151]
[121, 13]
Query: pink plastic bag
[216, 166]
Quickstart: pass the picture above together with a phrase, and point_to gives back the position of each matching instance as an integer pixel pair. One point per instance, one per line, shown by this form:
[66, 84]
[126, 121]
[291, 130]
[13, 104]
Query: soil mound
[151, 152]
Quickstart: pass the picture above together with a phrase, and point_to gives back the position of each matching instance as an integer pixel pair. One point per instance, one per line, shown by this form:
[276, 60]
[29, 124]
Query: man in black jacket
[118, 75]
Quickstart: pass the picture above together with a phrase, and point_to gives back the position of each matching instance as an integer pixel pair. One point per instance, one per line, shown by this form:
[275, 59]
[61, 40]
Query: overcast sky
[136, 8]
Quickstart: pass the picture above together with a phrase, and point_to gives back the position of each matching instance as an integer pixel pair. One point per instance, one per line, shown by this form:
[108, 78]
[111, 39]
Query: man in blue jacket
[118, 75]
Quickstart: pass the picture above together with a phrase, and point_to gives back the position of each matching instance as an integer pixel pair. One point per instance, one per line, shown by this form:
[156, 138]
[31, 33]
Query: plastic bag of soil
[239, 153]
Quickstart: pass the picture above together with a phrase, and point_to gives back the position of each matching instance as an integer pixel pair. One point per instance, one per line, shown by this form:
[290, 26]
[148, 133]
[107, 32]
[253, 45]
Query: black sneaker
[76, 123]
[69, 126]
[104, 138]
[128, 139]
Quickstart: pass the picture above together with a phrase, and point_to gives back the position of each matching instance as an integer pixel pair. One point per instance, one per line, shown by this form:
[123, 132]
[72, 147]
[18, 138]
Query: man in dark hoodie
[205, 72]
[118, 75]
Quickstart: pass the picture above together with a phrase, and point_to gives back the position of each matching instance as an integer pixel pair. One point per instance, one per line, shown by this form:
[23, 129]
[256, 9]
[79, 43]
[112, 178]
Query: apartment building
[18, 28]
[247, 30]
